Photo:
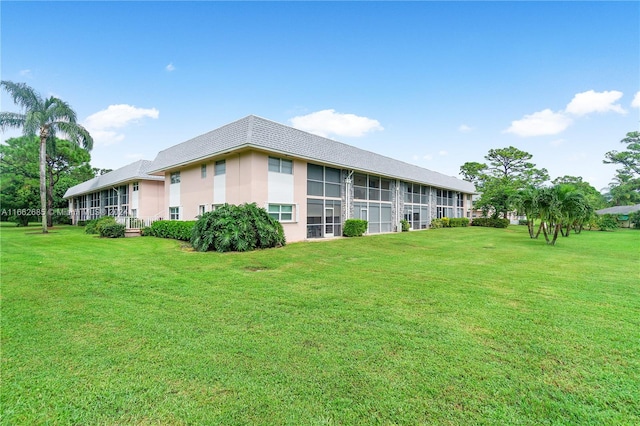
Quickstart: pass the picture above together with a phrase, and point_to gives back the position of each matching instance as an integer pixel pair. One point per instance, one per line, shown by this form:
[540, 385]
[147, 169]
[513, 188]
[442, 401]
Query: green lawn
[455, 326]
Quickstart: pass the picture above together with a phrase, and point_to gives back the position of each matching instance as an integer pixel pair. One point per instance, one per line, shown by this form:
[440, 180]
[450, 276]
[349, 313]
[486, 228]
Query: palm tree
[44, 118]
[573, 207]
[527, 202]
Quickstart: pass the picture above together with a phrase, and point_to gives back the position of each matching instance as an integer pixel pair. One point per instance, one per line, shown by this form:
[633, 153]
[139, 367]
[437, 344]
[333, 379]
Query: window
[280, 165]
[281, 212]
[359, 186]
[174, 213]
[175, 177]
[368, 187]
[385, 191]
[315, 179]
[202, 209]
[124, 195]
[135, 186]
[374, 188]
[203, 171]
[220, 168]
[323, 217]
[323, 181]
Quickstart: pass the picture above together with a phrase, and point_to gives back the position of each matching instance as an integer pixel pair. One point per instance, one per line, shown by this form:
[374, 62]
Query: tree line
[509, 182]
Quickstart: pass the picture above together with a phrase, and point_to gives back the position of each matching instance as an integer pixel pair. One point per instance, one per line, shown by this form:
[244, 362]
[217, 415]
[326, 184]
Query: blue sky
[435, 84]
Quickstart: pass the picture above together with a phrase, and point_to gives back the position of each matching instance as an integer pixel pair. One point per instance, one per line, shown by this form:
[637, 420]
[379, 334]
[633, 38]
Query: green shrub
[405, 225]
[634, 218]
[523, 222]
[445, 222]
[93, 226]
[112, 230]
[355, 227]
[458, 222]
[61, 219]
[490, 222]
[146, 232]
[21, 220]
[436, 224]
[90, 226]
[237, 228]
[104, 221]
[608, 222]
[174, 229]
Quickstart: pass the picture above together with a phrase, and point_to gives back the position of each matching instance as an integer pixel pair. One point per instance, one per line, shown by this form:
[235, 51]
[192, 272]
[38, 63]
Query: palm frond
[59, 110]
[76, 133]
[24, 96]
[11, 120]
[32, 122]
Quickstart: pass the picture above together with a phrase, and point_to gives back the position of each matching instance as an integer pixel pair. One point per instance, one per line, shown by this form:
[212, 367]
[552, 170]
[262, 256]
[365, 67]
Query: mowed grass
[453, 326]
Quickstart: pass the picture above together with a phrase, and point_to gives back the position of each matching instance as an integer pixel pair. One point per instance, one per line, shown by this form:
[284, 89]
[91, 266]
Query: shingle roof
[619, 210]
[130, 172]
[257, 132]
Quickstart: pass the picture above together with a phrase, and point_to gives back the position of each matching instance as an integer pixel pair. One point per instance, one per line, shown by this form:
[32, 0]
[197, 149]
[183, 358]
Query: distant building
[309, 183]
[622, 213]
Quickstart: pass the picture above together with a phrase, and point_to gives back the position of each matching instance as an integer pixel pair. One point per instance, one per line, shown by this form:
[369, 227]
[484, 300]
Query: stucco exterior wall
[150, 198]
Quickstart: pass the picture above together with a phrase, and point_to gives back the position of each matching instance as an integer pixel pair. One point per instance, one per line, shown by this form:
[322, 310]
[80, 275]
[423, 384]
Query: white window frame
[174, 177]
[275, 211]
[174, 213]
[220, 168]
[279, 168]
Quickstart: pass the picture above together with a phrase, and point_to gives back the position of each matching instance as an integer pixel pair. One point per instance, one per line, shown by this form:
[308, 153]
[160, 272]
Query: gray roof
[128, 173]
[619, 210]
[258, 133]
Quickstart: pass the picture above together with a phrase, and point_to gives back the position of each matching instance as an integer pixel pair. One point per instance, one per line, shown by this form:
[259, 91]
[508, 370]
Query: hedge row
[175, 229]
[490, 222]
[454, 222]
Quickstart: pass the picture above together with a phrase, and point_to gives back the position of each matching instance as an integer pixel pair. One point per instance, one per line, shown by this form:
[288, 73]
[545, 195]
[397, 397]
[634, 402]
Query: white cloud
[330, 122]
[540, 123]
[443, 153]
[548, 122]
[636, 101]
[557, 142]
[101, 125]
[428, 157]
[25, 73]
[170, 67]
[591, 101]
[464, 128]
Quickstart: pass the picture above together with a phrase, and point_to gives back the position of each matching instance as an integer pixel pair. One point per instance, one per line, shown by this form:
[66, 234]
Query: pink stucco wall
[150, 198]
[247, 181]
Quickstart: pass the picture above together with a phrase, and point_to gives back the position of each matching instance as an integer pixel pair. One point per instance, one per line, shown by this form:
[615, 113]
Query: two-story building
[311, 184]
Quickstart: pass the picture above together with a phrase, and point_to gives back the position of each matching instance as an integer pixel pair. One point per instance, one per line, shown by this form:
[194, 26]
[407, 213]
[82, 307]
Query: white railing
[136, 222]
